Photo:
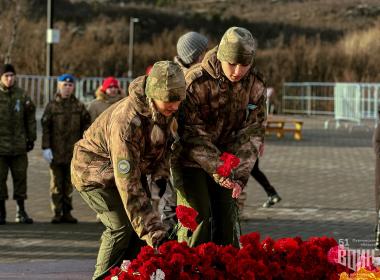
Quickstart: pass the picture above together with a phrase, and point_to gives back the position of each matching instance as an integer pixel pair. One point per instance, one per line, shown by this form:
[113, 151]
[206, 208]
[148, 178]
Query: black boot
[272, 200]
[3, 212]
[57, 219]
[68, 218]
[21, 215]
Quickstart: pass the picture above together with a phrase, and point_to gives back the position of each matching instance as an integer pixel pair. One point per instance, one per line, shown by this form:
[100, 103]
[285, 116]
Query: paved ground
[326, 182]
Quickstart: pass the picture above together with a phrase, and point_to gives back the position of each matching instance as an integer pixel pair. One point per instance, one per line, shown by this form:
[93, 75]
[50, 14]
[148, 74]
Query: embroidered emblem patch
[123, 166]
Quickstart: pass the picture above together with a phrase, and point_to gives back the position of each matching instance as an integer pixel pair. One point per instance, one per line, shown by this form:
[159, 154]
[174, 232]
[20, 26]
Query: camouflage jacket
[17, 120]
[101, 103]
[63, 123]
[116, 151]
[221, 116]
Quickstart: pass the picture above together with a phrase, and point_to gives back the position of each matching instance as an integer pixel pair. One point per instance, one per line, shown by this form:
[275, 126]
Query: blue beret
[66, 78]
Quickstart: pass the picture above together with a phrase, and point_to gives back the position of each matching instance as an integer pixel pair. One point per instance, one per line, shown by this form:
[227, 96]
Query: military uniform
[17, 135]
[63, 123]
[220, 116]
[117, 153]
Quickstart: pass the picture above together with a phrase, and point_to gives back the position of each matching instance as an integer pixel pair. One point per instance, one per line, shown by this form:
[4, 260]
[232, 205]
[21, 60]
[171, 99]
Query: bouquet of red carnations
[282, 259]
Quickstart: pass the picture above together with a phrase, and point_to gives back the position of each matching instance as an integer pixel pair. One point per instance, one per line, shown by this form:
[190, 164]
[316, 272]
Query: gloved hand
[29, 145]
[48, 155]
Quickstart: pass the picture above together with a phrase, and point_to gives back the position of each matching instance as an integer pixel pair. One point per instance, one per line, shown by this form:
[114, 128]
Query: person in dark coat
[63, 122]
[17, 136]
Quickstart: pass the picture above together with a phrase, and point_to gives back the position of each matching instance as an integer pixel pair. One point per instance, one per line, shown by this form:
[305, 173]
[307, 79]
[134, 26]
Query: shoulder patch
[123, 166]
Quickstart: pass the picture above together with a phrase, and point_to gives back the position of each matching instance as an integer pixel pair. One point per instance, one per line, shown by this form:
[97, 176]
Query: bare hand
[236, 188]
[236, 191]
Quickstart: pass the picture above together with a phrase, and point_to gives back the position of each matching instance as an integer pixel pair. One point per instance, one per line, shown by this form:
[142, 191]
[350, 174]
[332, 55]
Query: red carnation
[230, 162]
[186, 216]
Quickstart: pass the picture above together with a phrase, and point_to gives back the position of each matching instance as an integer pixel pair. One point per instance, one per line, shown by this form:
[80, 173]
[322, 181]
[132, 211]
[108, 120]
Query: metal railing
[42, 89]
[345, 101]
[308, 98]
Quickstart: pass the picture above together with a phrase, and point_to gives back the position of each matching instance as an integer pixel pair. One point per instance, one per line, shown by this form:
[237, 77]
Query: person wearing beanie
[7, 68]
[127, 143]
[191, 48]
[224, 113]
[18, 133]
[106, 95]
[63, 122]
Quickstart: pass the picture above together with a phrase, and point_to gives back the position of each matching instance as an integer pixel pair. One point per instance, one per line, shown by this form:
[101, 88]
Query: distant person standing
[106, 95]
[191, 48]
[376, 146]
[63, 122]
[260, 177]
[272, 103]
[17, 136]
[256, 173]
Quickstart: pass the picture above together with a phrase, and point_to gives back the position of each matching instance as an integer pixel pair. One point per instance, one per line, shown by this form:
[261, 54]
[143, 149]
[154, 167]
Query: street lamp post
[52, 37]
[132, 22]
[49, 49]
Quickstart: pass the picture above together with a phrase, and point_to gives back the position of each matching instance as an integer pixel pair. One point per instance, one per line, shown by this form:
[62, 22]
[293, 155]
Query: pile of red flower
[285, 259]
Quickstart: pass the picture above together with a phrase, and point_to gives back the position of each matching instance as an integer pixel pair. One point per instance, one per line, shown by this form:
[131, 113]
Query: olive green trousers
[18, 165]
[119, 241]
[217, 218]
[61, 189]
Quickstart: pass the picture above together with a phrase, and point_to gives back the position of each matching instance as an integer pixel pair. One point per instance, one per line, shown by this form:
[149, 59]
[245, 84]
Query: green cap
[237, 46]
[166, 82]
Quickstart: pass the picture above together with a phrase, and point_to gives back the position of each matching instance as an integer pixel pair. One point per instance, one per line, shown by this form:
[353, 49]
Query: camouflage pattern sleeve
[197, 141]
[250, 138]
[46, 122]
[125, 152]
[30, 120]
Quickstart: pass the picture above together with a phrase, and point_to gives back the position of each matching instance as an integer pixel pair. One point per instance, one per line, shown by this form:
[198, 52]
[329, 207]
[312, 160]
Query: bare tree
[15, 22]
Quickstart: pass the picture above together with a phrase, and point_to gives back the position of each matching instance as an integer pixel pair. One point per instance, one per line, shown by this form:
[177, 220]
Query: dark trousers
[18, 165]
[217, 218]
[61, 189]
[262, 179]
[119, 241]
